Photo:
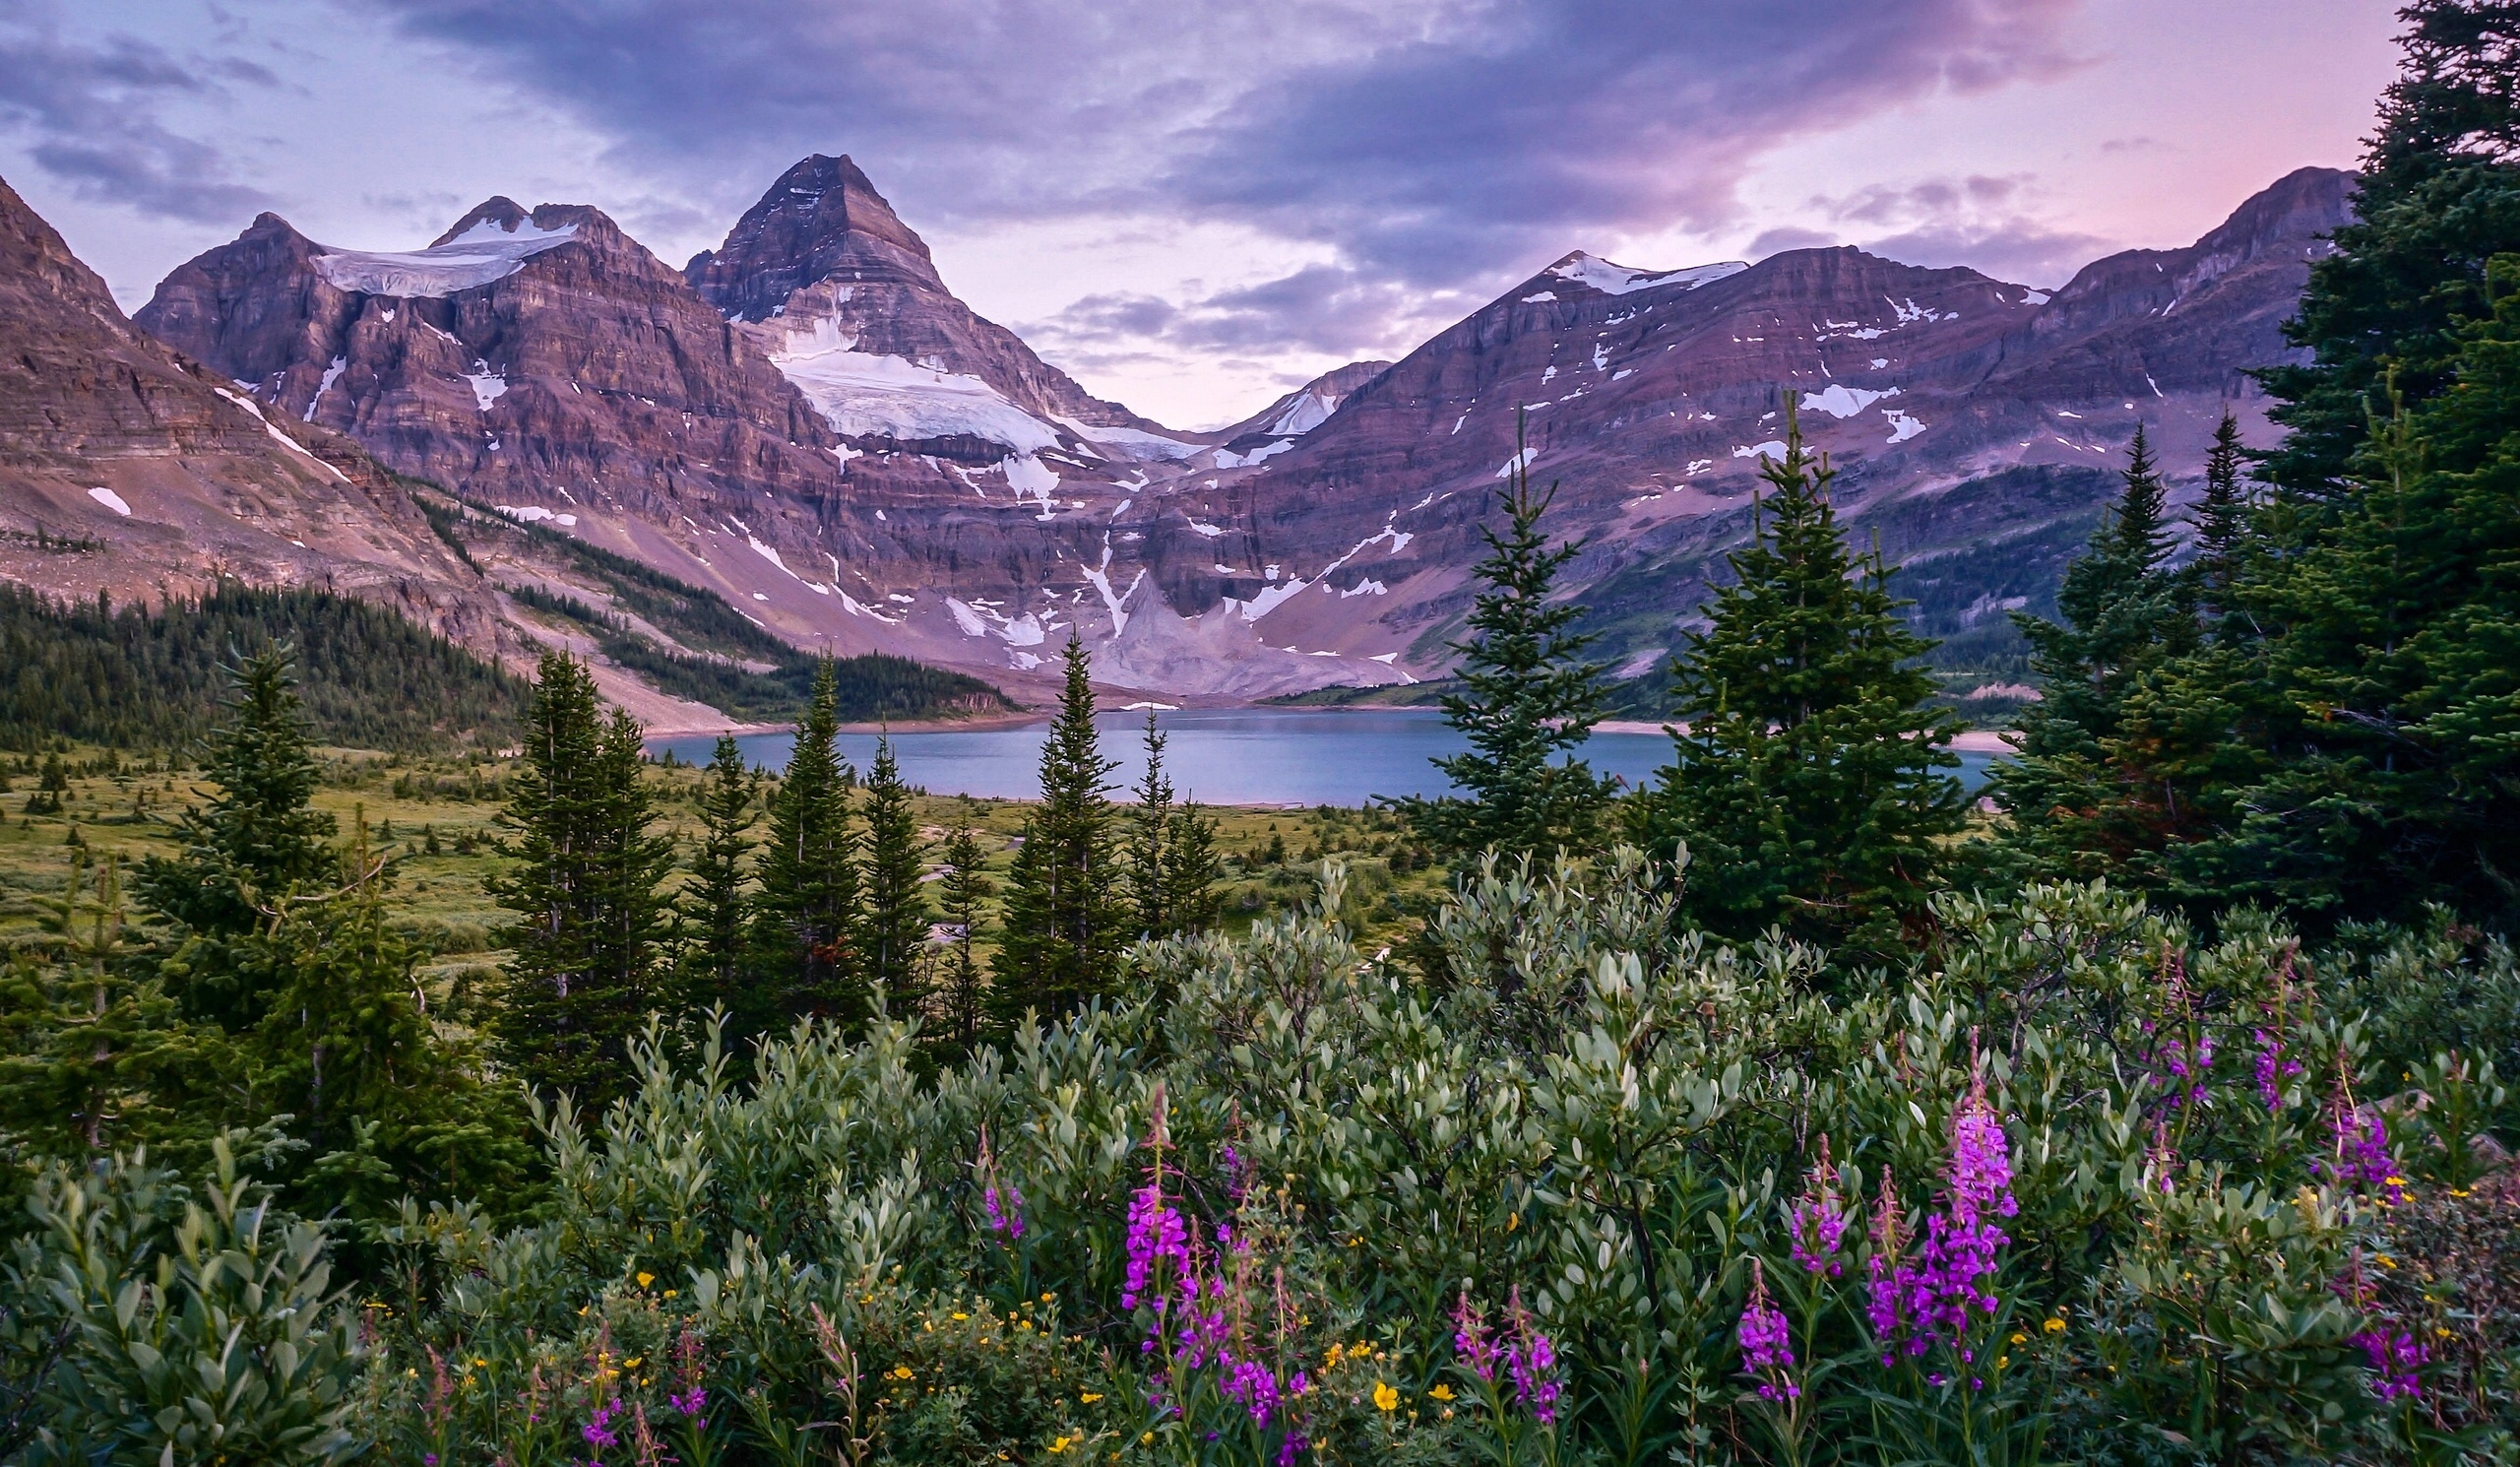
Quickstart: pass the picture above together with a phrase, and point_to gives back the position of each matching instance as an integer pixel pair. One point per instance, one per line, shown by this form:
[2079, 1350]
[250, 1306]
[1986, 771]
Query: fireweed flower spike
[1767, 1343]
[1470, 1341]
[1820, 1219]
[999, 1198]
[1532, 1362]
[1886, 1289]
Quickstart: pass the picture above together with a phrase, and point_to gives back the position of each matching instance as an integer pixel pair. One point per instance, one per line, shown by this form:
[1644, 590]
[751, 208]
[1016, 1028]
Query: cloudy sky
[1193, 206]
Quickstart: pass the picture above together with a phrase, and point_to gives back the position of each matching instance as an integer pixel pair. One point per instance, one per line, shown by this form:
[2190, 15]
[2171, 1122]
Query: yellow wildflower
[960, 1316]
[903, 1372]
[644, 1278]
[2002, 1361]
[2019, 1338]
[1386, 1399]
[1337, 1354]
[2054, 1326]
[633, 1362]
[1060, 1443]
[1441, 1392]
[1513, 1220]
[1090, 1397]
[670, 1293]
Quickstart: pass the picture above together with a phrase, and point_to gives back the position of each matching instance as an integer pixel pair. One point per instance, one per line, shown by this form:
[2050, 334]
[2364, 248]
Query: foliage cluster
[136, 678]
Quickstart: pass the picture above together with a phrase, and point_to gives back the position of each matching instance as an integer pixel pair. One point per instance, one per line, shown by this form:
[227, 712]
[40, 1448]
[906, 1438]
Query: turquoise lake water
[1274, 756]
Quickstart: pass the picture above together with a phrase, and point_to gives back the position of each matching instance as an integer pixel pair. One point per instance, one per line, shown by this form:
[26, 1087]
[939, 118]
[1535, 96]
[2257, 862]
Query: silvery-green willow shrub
[182, 1324]
[2084, 1185]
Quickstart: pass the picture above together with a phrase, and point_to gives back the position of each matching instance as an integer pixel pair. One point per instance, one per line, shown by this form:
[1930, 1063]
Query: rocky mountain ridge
[807, 421]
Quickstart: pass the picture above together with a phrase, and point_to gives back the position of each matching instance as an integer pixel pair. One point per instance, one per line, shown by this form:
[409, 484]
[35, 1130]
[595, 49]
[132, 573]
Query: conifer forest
[2156, 1108]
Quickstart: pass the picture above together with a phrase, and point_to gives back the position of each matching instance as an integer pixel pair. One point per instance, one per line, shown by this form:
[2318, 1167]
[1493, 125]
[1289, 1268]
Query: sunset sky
[1193, 207]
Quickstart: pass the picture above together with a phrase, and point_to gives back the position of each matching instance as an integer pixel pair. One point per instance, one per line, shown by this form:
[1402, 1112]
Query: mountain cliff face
[846, 299]
[127, 471]
[807, 420]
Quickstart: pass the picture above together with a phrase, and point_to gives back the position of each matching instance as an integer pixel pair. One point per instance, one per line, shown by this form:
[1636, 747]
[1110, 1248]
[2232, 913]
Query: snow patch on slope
[1618, 280]
[1843, 402]
[869, 394]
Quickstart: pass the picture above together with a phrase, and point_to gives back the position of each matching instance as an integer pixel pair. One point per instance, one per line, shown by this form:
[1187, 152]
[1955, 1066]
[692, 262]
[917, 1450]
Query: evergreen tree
[959, 1000]
[2222, 519]
[2440, 199]
[717, 913]
[385, 1108]
[893, 934]
[806, 918]
[585, 891]
[1190, 870]
[81, 1033]
[2371, 760]
[257, 841]
[1807, 783]
[1150, 843]
[1066, 911]
[2086, 799]
[1526, 696]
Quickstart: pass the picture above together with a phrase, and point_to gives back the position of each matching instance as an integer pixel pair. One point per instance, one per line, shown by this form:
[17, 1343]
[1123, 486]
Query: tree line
[808, 894]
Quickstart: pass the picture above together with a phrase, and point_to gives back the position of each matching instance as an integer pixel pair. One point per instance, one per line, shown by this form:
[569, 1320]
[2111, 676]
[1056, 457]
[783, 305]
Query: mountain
[806, 421]
[1975, 424]
[127, 472]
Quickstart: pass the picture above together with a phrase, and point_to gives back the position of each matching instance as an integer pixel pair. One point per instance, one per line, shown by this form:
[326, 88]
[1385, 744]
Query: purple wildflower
[1885, 1296]
[1471, 1340]
[1930, 1298]
[598, 1433]
[1820, 1219]
[1767, 1342]
[1156, 1235]
[2274, 1068]
[1007, 1218]
[2361, 1160]
[1532, 1362]
[2395, 1361]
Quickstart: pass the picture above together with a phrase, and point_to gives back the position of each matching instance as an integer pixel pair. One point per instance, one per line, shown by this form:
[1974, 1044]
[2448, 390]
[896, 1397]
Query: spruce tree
[2379, 733]
[893, 934]
[257, 841]
[1150, 843]
[2438, 198]
[717, 908]
[1808, 783]
[1190, 870]
[959, 1001]
[1066, 911]
[385, 1107]
[585, 891]
[2086, 799]
[806, 924]
[2222, 520]
[1526, 696]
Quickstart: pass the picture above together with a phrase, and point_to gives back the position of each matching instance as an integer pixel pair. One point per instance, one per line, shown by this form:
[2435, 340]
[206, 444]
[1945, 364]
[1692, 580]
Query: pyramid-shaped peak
[822, 217]
[498, 211]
